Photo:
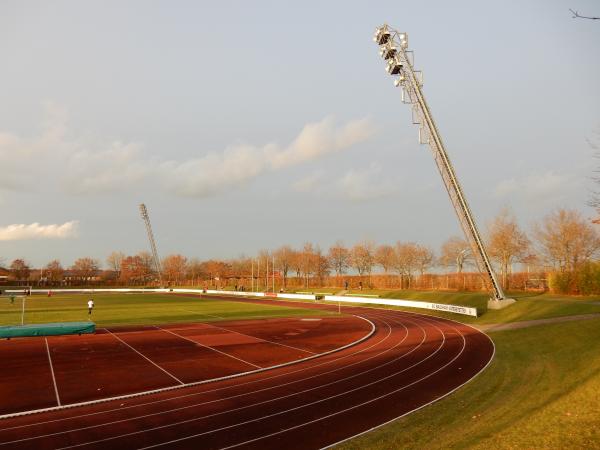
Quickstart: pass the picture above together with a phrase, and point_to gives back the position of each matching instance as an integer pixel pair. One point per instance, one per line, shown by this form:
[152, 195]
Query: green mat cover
[47, 329]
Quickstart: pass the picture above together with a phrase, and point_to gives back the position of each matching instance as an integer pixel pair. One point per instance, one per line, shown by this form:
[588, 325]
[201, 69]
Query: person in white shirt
[90, 306]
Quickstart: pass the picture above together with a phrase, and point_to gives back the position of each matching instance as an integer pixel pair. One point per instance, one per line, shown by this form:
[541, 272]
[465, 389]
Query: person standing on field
[90, 306]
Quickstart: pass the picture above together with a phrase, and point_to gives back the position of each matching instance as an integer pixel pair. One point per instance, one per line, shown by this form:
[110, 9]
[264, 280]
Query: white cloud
[317, 139]
[17, 232]
[109, 170]
[79, 166]
[214, 172]
[236, 165]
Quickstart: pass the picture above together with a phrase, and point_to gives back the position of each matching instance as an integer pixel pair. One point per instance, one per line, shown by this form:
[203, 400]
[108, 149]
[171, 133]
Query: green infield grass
[542, 390]
[138, 309]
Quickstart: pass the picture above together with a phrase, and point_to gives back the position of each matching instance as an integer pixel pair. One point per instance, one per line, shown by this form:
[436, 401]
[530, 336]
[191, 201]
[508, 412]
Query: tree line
[559, 253]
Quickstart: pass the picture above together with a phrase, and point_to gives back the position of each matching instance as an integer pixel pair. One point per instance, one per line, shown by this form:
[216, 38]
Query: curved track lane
[411, 360]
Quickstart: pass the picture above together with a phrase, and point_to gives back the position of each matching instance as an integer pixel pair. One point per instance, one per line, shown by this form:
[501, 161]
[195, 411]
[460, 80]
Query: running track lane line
[308, 404]
[171, 388]
[261, 339]
[146, 358]
[140, 405]
[52, 371]
[193, 405]
[206, 346]
[279, 398]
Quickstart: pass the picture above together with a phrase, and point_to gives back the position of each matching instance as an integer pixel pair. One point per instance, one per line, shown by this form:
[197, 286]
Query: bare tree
[576, 15]
[321, 265]
[283, 261]
[146, 265]
[406, 261]
[566, 240]
[296, 263]
[384, 256]
[85, 269]
[506, 243]
[363, 257]
[114, 261]
[19, 270]
[307, 262]
[174, 268]
[54, 271]
[339, 258]
[424, 258]
[456, 252]
[194, 270]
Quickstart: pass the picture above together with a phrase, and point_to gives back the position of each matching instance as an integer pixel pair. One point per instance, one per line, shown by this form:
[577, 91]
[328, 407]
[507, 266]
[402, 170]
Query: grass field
[138, 309]
[542, 390]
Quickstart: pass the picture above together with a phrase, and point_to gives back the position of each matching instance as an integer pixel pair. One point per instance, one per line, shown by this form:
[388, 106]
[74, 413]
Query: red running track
[50, 372]
[411, 360]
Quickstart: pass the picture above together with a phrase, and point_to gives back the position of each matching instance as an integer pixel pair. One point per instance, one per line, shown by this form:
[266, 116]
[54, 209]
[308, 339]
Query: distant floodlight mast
[146, 217]
[393, 47]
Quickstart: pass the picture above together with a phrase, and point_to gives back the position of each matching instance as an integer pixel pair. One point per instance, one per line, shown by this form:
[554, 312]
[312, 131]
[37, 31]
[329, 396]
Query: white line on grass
[52, 371]
[208, 347]
[202, 314]
[145, 357]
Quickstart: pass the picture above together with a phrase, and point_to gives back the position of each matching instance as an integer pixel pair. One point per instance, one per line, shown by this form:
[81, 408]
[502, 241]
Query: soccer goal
[12, 304]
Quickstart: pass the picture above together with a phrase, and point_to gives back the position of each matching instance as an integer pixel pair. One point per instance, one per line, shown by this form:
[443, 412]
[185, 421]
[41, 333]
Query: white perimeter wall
[457, 309]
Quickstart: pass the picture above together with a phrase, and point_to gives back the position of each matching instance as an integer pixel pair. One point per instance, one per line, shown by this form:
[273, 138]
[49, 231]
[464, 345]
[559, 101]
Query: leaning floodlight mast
[155, 258]
[393, 48]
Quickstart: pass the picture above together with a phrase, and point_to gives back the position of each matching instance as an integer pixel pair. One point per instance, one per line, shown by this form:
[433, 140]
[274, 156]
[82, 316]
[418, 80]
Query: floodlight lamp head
[388, 51]
[382, 35]
[393, 67]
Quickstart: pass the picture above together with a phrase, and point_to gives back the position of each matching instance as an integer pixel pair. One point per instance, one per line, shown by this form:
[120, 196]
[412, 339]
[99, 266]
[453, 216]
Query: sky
[249, 125]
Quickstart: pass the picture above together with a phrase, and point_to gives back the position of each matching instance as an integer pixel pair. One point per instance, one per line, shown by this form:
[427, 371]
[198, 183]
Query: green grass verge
[542, 390]
[139, 309]
[527, 307]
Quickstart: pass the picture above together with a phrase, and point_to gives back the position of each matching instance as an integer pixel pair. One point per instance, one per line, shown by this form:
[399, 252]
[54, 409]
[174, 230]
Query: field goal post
[9, 294]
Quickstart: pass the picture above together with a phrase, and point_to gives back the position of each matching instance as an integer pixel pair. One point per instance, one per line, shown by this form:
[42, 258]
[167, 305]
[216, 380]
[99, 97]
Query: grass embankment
[138, 309]
[542, 390]
[527, 307]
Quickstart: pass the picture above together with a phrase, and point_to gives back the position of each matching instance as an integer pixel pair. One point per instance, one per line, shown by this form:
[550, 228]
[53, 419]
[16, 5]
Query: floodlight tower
[393, 47]
[155, 257]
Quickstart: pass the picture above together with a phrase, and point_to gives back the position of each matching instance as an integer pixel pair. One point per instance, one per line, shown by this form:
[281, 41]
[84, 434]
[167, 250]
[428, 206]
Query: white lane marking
[199, 383]
[319, 401]
[52, 371]
[225, 388]
[442, 343]
[279, 398]
[146, 358]
[337, 412]
[208, 347]
[194, 405]
[260, 339]
[432, 401]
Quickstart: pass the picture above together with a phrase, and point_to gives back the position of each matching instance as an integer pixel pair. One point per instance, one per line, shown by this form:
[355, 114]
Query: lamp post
[393, 48]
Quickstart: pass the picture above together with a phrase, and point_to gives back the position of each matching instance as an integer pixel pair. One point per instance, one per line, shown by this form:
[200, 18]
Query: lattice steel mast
[155, 257]
[393, 48]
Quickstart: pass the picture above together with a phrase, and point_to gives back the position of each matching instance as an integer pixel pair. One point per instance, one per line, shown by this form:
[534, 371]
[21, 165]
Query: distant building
[4, 273]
